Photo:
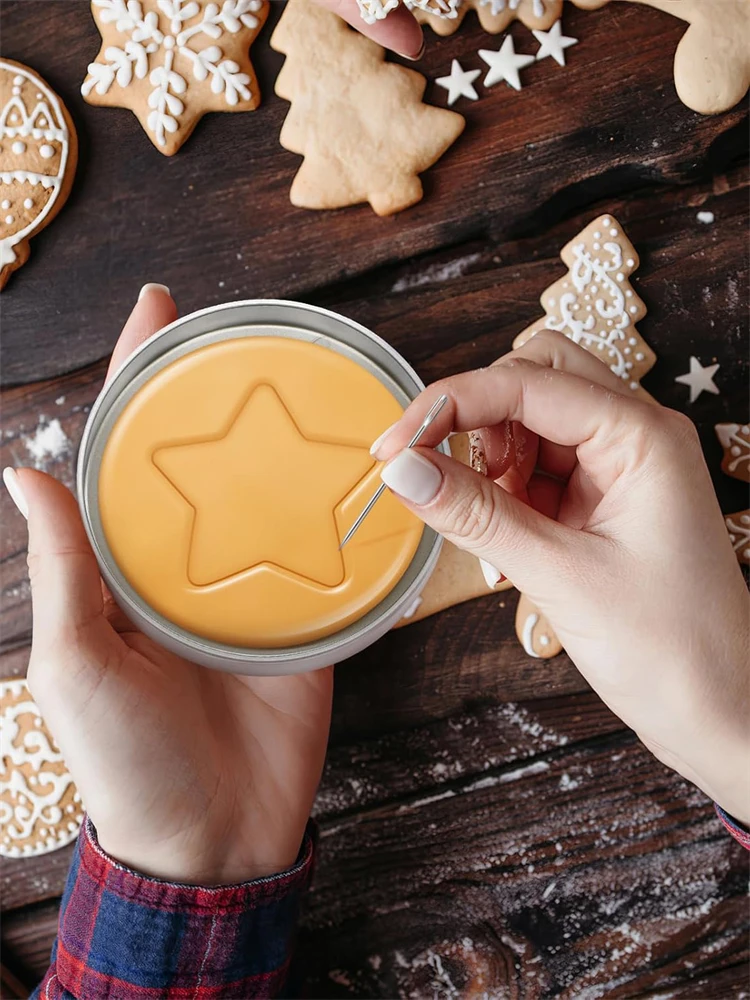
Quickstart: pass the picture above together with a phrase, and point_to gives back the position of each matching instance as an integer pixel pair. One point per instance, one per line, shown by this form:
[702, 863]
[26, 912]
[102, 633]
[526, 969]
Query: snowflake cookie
[38, 152]
[735, 440]
[738, 526]
[595, 305]
[40, 808]
[171, 61]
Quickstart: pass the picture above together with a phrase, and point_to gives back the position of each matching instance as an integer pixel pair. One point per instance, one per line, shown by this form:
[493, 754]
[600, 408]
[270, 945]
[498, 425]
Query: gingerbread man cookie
[595, 305]
[38, 154]
[359, 122]
[735, 440]
[712, 61]
[171, 61]
[40, 808]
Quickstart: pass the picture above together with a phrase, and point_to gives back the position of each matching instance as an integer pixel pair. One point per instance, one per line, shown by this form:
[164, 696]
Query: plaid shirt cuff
[739, 832]
[122, 934]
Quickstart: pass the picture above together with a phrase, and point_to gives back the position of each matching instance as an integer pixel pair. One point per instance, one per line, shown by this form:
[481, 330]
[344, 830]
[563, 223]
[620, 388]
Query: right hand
[399, 30]
[599, 506]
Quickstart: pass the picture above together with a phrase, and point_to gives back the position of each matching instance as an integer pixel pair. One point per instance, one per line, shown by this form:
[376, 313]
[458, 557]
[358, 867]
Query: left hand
[188, 774]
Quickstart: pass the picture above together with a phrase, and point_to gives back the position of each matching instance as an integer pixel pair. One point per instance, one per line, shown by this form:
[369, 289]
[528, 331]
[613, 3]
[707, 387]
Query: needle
[432, 413]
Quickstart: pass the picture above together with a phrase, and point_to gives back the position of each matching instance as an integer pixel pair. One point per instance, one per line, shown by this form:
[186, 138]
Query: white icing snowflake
[151, 43]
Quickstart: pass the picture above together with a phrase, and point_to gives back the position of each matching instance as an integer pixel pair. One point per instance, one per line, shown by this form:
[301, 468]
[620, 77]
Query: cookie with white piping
[38, 156]
[534, 632]
[735, 440]
[40, 808]
[172, 62]
[595, 305]
[738, 526]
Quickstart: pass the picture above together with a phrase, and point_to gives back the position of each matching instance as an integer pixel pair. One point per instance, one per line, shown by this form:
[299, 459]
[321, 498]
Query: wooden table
[488, 827]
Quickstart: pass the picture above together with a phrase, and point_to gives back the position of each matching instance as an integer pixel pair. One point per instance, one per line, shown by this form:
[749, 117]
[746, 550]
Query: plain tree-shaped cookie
[358, 121]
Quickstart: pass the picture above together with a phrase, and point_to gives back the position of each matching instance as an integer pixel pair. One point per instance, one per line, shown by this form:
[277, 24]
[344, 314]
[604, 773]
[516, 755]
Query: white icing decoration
[498, 6]
[554, 43]
[739, 533]
[28, 203]
[527, 635]
[736, 440]
[505, 64]
[36, 798]
[25, 124]
[18, 147]
[9, 220]
[5, 204]
[47, 152]
[375, 10]
[147, 36]
[699, 379]
[439, 8]
[460, 82]
[596, 274]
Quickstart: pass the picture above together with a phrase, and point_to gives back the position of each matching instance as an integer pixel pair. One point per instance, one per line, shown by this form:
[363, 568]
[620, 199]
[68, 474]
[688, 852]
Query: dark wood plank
[215, 223]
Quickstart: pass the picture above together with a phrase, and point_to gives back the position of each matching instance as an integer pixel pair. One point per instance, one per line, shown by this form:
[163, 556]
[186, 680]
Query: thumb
[66, 587]
[477, 515]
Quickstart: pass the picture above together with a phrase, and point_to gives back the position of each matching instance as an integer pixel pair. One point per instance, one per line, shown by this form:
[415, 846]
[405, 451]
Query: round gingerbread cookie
[38, 155]
[40, 808]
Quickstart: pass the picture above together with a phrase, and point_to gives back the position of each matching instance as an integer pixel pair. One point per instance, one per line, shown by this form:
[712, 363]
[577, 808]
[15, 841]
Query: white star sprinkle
[699, 378]
[460, 83]
[553, 43]
[505, 64]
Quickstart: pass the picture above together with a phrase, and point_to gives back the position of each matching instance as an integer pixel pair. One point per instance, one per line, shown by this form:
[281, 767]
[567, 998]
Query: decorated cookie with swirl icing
[735, 440]
[595, 305]
[38, 153]
[534, 632]
[171, 61]
[738, 526]
[40, 808]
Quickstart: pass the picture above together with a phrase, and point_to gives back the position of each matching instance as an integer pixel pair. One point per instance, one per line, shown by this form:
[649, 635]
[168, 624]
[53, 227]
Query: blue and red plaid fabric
[740, 833]
[126, 936]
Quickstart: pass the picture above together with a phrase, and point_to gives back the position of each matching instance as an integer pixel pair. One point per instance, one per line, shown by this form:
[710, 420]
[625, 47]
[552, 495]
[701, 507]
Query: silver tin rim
[259, 317]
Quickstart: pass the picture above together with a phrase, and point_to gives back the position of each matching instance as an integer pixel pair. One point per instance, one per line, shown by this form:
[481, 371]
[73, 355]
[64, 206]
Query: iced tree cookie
[735, 440]
[359, 122]
[595, 305]
[38, 154]
[172, 61]
[40, 808]
[738, 526]
[712, 61]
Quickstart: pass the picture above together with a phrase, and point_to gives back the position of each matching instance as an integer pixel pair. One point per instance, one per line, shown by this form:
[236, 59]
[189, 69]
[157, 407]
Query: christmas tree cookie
[595, 305]
[38, 153]
[358, 121]
[171, 61]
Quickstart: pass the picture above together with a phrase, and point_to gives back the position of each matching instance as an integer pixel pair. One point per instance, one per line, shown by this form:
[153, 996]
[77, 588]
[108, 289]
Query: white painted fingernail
[13, 486]
[492, 576]
[152, 286]
[376, 444]
[412, 476]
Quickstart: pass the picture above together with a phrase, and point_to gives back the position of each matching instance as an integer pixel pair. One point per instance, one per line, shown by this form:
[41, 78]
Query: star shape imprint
[460, 83]
[699, 379]
[171, 61]
[505, 64]
[260, 485]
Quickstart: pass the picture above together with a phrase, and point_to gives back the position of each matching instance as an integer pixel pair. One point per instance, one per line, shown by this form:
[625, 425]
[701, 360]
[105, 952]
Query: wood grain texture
[488, 827]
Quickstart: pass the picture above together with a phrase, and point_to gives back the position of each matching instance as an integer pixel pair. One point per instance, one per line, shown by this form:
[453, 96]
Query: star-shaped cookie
[171, 61]
[262, 463]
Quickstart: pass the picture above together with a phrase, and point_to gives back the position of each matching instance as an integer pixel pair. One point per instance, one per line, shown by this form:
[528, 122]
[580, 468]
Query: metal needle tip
[431, 414]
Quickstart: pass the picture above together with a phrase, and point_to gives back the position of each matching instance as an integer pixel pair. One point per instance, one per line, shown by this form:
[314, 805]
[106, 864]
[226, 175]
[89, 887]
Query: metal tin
[253, 318]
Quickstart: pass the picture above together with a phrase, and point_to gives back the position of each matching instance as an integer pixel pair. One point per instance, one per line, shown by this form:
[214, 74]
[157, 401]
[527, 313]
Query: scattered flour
[48, 444]
[568, 784]
[435, 274]
[705, 217]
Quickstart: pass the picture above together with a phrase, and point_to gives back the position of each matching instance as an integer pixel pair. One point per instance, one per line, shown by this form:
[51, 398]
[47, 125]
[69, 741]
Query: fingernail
[492, 576]
[412, 476]
[376, 444]
[13, 486]
[418, 56]
[152, 286]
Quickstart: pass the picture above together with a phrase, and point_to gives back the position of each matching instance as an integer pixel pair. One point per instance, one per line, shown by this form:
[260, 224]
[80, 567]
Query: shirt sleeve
[121, 934]
[738, 831]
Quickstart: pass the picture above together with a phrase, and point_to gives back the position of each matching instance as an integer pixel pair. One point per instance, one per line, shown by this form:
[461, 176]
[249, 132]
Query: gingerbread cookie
[358, 121]
[595, 305]
[738, 526]
[712, 61]
[735, 440]
[494, 15]
[458, 576]
[38, 155]
[40, 808]
[172, 61]
[534, 632]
